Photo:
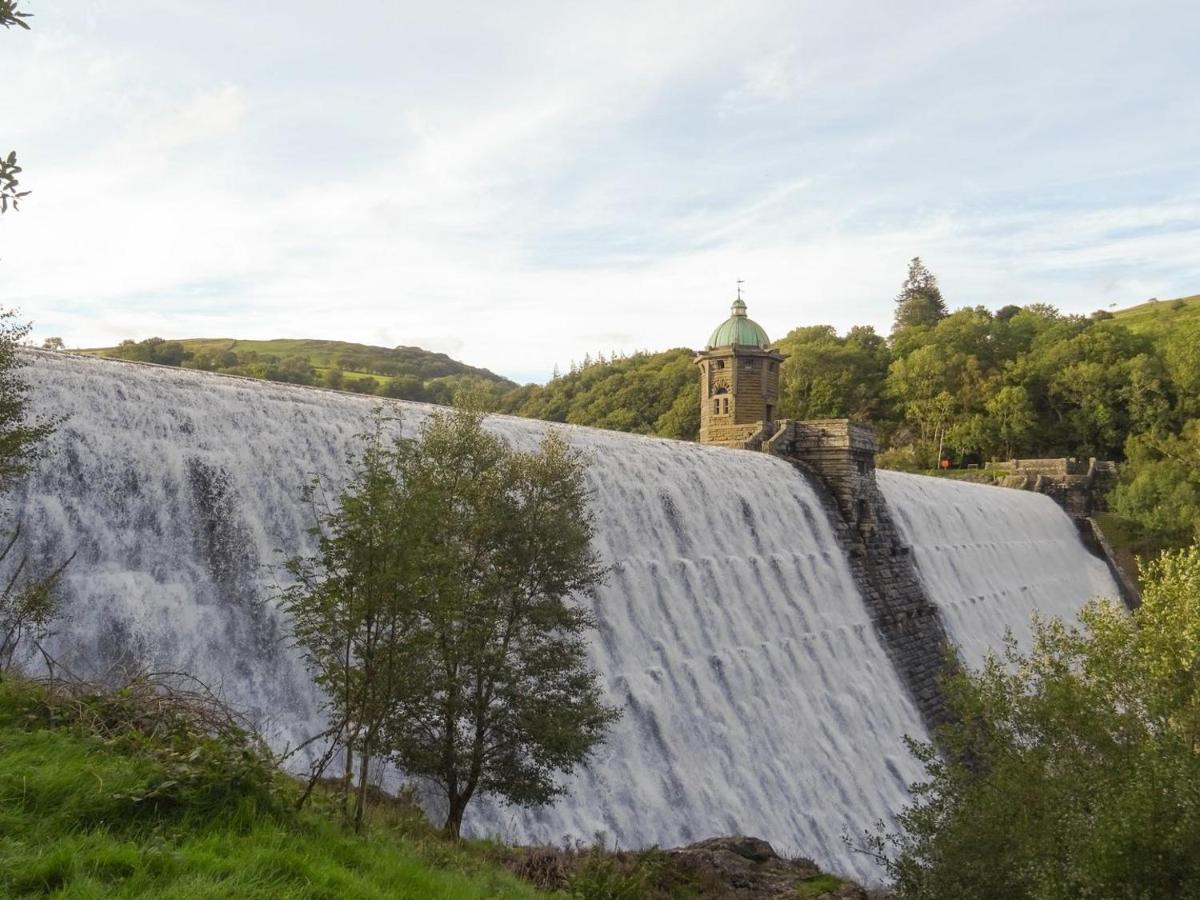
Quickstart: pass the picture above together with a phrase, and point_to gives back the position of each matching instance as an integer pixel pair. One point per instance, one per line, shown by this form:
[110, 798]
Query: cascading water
[757, 696]
[990, 557]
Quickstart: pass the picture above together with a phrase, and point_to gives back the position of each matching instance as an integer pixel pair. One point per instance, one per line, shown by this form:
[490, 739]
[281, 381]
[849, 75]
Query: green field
[408, 373]
[1157, 317]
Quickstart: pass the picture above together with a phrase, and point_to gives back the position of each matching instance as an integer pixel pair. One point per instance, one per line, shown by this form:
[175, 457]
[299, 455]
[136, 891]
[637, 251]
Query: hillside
[408, 373]
[1158, 317]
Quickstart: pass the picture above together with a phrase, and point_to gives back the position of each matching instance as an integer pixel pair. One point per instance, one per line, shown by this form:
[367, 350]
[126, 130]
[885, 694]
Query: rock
[751, 848]
[748, 868]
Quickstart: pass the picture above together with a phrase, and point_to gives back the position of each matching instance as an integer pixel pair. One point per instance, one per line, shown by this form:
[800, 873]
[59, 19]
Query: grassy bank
[127, 815]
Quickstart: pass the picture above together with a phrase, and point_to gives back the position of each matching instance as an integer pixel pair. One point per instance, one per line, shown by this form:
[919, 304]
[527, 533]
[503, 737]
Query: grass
[818, 885]
[365, 360]
[84, 817]
[1157, 317]
[1128, 542]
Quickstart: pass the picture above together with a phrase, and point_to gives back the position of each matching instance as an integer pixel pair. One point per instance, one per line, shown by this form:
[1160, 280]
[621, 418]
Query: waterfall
[757, 696]
[990, 557]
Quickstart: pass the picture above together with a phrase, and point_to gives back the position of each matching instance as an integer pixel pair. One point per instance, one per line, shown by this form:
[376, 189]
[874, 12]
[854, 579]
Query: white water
[990, 557]
[757, 696]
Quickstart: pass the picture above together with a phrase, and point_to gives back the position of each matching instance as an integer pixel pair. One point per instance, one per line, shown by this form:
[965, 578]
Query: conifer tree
[920, 300]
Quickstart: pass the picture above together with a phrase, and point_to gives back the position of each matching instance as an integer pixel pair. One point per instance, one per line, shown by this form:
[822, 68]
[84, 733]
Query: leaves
[10, 195]
[1073, 769]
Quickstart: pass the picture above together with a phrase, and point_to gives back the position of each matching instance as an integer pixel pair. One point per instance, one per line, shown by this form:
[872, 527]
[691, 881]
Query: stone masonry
[839, 457]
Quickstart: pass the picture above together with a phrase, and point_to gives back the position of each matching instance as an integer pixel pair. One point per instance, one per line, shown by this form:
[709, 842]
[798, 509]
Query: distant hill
[408, 373]
[1157, 317]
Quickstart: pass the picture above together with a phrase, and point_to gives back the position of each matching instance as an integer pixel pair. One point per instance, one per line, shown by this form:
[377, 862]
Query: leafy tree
[1011, 417]
[27, 602]
[10, 193]
[919, 302]
[437, 614]
[501, 697]
[153, 350]
[830, 376]
[353, 607]
[1072, 770]
[1160, 485]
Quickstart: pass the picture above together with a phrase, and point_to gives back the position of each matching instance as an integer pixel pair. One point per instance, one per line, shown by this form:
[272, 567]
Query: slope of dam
[757, 695]
[990, 557]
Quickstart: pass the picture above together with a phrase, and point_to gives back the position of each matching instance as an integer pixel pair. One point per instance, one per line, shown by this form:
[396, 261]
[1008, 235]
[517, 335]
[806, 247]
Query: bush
[1071, 771]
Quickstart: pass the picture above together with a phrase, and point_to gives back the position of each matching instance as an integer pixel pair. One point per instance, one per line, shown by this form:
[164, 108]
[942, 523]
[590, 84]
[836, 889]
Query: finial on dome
[739, 305]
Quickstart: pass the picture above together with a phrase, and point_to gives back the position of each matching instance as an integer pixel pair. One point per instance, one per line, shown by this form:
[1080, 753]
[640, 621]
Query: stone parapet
[839, 455]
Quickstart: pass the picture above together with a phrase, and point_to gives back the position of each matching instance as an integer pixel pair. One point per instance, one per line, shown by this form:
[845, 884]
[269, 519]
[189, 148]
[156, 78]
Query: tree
[919, 302]
[437, 614]
[353, 605]
[1071, 770]
[10, 193]
[27, 603]
[1011, 419]
[500, 697]
[1159, 489]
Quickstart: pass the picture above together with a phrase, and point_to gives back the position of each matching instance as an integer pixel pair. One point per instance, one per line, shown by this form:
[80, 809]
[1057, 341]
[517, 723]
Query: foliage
[919, 302]
[1072, 770]
[352, 606]
[27, 602]
[405, 373]
[436, 613]
[1160, 485]
[827, 376]
[10, 192]
[646, 393]
[499, 695]
[73, 823]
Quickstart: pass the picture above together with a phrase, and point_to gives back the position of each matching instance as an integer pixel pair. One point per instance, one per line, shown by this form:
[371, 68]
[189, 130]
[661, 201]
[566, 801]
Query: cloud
[519, 187]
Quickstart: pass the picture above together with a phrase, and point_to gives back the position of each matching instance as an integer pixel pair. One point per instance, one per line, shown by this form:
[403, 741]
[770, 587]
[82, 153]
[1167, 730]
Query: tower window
[719, 364]
[725, 405]
[717, 406]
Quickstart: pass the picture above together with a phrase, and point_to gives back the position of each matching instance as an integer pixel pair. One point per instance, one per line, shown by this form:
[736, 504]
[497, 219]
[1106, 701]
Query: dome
[738, 330]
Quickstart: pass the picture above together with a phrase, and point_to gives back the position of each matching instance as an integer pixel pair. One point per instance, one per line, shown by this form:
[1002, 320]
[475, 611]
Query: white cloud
[517, 188]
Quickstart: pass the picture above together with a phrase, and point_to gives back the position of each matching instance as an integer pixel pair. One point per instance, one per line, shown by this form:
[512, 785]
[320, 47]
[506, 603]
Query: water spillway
[991, 557]
[758, 697]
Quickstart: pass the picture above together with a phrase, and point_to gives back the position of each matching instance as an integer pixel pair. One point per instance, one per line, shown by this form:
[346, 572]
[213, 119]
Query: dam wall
[758, 694]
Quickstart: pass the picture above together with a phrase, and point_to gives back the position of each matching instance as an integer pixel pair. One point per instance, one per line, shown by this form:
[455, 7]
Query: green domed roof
[739, 330]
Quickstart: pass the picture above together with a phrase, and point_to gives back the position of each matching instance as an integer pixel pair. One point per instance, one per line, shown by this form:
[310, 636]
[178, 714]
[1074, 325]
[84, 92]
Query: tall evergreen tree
[920, 300]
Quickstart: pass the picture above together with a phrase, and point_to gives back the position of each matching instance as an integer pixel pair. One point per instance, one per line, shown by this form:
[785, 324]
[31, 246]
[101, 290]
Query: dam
[758, 695]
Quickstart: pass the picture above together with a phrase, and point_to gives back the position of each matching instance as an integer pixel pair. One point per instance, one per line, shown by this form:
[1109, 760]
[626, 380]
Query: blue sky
[520, 184]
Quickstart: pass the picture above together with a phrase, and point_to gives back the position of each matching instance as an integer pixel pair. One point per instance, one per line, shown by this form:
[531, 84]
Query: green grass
[363, 359]
[76, 822]
[1128, 542]
[1157, 317]
[818, 885]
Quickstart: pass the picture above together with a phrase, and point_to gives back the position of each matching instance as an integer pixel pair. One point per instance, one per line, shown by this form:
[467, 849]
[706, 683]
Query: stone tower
[739, 381]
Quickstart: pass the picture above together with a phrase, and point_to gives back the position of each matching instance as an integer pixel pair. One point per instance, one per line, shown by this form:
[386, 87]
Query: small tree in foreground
[28, 601]
[1074, 770]
[500, 696]
[438, 613]
[352, 607]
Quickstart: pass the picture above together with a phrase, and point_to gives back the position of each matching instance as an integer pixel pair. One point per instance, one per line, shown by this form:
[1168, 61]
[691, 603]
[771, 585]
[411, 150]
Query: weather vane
[740, 282]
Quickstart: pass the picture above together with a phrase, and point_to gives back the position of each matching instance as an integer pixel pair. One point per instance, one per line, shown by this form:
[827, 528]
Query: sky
[518, 184]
